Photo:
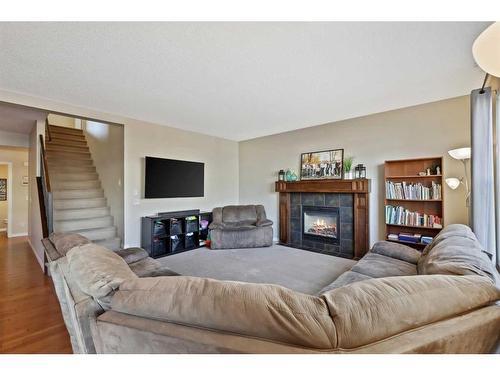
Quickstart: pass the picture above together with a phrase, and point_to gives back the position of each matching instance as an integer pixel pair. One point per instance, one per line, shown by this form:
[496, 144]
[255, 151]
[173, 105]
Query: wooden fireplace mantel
[360, 189]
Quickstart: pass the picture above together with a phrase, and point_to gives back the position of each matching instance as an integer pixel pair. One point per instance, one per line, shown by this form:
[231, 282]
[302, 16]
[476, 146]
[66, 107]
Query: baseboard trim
[18, 234]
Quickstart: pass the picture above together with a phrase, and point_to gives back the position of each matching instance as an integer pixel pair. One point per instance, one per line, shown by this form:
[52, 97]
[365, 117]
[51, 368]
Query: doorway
[5, 199]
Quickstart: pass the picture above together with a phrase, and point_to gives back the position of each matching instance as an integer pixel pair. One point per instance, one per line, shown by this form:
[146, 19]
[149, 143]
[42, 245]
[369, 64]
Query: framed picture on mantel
[321, 165]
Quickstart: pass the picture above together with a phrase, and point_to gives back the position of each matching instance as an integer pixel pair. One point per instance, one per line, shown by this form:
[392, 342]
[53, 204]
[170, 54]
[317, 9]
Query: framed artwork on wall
[3, 189]
[320, 165]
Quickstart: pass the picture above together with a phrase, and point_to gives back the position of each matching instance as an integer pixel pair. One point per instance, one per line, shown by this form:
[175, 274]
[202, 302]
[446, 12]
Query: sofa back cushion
[367, 311]
[396, 251]
[259, 310]
[456, 251]
[97, 271]
[237, 214]
[64, 242]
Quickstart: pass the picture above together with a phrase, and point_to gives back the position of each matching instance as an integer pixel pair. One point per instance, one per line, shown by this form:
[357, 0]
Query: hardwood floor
[30, 317]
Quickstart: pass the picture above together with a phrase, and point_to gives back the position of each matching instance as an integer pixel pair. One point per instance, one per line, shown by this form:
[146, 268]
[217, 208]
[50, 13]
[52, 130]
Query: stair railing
[48, 133]
[44, 190]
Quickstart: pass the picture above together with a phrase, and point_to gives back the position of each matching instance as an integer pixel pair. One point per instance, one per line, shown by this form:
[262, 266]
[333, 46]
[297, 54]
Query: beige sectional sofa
[78, 307]
[394, 300]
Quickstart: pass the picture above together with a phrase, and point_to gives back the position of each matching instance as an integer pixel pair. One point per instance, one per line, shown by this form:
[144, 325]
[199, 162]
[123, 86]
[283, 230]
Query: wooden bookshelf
[407, 170]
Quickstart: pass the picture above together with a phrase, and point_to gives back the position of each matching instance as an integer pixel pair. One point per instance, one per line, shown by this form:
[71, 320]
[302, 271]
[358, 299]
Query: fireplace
[341, 230]
[321, 223]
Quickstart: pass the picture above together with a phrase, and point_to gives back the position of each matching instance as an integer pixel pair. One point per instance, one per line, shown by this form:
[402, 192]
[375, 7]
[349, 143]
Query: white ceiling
[17, 119]
[240, 80]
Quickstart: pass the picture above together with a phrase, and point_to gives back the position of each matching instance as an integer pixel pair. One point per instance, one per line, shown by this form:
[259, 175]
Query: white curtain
[496, 257]
[482, 170]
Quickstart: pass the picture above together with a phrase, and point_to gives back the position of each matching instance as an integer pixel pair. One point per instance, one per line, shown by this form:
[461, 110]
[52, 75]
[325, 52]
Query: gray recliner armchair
[237, 227]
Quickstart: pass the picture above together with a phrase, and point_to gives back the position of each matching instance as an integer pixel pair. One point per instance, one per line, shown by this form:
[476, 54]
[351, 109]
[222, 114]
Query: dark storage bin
[190, 241]
[175, 226]
[158, 247]
[191, 224]
[159, 229]
[176, 243]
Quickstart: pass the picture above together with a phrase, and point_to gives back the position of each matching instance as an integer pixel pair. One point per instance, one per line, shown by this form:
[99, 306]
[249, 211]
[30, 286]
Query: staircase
[79, 204]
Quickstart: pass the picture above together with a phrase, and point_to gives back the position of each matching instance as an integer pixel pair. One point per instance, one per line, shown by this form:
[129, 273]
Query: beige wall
[105, 143]
[425, 130]
[13, 139]
[4, 206]
[58, 120]
[18, 193]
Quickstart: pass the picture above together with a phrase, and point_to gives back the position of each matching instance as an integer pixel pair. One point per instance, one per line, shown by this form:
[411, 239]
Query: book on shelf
[410, 237]
[413, 191]
[398, 215]
[426, 240]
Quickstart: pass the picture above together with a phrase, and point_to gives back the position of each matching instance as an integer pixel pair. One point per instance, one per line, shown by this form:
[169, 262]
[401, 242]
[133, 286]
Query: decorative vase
[348, 175]
[293, 176]
[288, 175]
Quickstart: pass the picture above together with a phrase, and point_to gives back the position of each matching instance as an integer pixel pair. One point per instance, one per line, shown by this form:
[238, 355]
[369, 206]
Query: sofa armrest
[216, 226]
[264, 223]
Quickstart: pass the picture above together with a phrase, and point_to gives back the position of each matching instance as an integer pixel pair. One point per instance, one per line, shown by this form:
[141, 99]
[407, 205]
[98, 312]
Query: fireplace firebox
[321, 223]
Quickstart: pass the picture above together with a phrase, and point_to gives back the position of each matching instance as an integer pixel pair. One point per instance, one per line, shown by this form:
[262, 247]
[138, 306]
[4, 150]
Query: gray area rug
[296, 269]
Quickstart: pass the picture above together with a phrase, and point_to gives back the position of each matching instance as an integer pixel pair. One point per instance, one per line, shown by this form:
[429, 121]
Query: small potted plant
[348, 161]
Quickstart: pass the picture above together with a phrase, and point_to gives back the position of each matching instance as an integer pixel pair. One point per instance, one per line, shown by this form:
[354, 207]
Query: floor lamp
[463, 155]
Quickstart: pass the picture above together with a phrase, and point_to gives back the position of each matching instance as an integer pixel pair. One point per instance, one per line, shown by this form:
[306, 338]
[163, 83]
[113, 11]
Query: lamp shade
[453, 182]
[460, 153]
[486, 50]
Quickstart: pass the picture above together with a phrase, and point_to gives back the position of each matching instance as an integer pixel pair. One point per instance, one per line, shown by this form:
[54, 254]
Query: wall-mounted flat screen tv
[168, 178]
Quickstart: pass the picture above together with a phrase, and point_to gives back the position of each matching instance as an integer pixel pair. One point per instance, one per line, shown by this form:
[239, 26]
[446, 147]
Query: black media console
[170, 233]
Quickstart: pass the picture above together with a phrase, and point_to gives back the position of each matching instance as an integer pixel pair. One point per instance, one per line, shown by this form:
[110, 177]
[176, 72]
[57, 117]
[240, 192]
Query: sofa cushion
[132, 254]
[149, 267]
[375, 309]
[64, 242]
[453, 230]
[231, 214]
[97, 270]
[376, 265]
[456, 255]
[396, 251]
[259, 310]
[346, 278]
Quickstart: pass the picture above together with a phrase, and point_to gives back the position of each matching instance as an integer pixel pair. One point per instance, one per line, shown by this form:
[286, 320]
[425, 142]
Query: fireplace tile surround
[350, 197]
[344, 202]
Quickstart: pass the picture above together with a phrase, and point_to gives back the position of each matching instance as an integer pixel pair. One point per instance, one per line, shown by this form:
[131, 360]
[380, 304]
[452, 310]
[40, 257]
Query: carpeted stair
[78, 199]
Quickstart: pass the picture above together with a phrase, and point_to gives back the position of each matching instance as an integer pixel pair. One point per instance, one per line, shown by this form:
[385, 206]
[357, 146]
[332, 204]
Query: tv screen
[167, 178]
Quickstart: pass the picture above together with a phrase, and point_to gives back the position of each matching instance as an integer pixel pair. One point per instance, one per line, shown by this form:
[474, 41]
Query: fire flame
[322, 222]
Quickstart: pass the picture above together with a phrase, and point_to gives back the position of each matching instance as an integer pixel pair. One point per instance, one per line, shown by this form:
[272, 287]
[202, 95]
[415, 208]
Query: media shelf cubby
[170, 233]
